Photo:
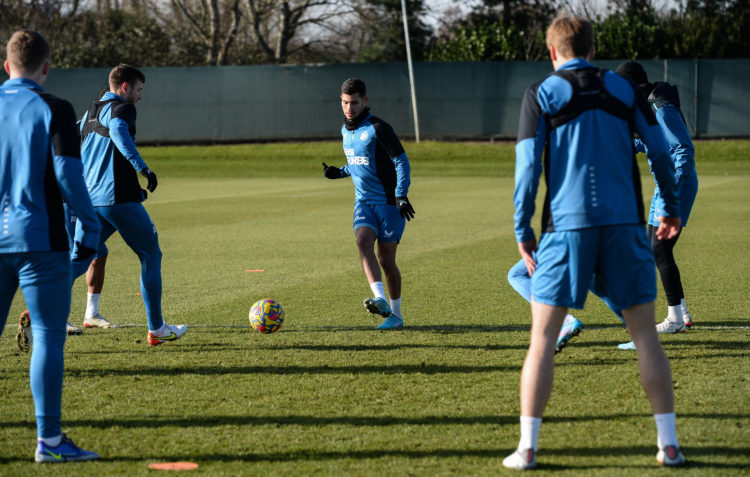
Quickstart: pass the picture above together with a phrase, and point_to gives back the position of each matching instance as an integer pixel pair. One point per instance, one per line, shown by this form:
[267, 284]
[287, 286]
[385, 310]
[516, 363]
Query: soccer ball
[266, 316]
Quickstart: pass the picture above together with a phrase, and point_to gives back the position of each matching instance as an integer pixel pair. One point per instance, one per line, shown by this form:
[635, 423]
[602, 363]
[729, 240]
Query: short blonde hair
[571, 36]
[27, 50]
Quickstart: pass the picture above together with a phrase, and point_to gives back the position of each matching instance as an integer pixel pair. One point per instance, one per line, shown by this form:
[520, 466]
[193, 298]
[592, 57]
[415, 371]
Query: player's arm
[680, 145]
[122, 116]
[66, 160]
[392, 146]
[661, 167]
[387, 138]
[532, 133]
[658, 154]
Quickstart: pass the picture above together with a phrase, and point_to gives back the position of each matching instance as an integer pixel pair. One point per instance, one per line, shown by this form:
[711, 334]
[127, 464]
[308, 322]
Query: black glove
[331, 172]
[405, 208]
[82, 252]
[149, 174]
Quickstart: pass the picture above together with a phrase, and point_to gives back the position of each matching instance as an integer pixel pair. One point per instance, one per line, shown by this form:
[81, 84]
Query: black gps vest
[589, 93]
[126, 186]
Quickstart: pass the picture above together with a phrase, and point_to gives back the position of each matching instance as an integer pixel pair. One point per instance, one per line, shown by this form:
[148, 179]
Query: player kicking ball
[377, 164]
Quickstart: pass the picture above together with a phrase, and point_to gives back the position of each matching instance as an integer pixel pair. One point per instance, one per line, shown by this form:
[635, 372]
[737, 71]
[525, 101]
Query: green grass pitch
[328, 394]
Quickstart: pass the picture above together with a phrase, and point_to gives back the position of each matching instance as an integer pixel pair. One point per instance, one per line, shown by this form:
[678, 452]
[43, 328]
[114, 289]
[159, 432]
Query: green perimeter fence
[454, 100]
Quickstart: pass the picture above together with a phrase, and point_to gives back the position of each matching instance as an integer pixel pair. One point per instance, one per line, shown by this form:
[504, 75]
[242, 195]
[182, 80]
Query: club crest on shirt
[364, 136]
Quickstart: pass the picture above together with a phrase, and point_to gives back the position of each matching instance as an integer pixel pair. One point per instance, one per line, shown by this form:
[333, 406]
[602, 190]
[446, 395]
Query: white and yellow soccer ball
[266, 316]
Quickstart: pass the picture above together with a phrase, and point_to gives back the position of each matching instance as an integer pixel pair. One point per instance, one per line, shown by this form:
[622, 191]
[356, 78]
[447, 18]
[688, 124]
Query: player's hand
[82, 252]
[331, 172]
[151, 177]
[405, 208]
[527, 249]
[668, 227]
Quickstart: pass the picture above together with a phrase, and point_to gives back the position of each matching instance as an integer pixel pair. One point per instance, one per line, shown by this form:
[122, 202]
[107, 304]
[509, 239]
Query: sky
[597, 6]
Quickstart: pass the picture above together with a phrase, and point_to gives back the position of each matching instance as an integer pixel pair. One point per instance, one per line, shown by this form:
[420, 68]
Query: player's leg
[79, 268]
[387, 259]
[599, 288]
[519, 279]
[45, 280]
[138, 231]
[670, 278]
[627, 267]
[537, 377]
[564, 271]
[538, 370]
[391, 229]
[365, 238]
[95, 284]
[656, 378]
[366, 226]
[8, 287]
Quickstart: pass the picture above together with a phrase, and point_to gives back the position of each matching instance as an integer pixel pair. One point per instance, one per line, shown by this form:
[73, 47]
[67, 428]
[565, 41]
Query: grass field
[329, 395]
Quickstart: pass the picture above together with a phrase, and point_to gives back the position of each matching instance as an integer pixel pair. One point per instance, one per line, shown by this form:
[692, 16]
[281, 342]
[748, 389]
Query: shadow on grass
[354, 421]
[622, 452]
[173, 371]
[388, 347]
[729, 323]
[447, 329]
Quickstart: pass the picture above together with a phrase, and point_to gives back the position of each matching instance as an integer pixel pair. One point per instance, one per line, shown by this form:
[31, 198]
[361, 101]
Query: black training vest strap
[92, 119]
[588, 93]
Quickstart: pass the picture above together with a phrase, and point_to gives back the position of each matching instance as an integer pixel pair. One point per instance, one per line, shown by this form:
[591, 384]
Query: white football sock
[529, 433]
[52, 441]
[378, 289]
[675, 314]
[92, 304]
[666, 433]
[683, 307]
[396, 307]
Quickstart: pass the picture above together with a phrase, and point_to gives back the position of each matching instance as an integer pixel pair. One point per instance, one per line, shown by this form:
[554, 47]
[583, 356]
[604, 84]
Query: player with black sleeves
[380, 171]
[111, 164]
[577, 126]
[40, 166]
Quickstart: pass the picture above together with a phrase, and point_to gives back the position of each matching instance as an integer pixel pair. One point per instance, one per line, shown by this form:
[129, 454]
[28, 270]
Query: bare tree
[280, 27]
[214, 24]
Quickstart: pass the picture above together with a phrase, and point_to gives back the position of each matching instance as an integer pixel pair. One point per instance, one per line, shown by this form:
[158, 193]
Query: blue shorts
[384, 219]
[617, 258]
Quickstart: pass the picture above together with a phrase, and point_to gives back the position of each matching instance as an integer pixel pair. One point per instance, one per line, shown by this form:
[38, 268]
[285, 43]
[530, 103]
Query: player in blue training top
[665, 102]
[377, 164]
[40, 167]
[581, 120]
[111, 164]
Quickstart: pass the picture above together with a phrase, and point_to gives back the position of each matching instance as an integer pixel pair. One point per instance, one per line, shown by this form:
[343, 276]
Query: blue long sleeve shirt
[376, 161]
[40, 166]
[111, 163]
[590, 170]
